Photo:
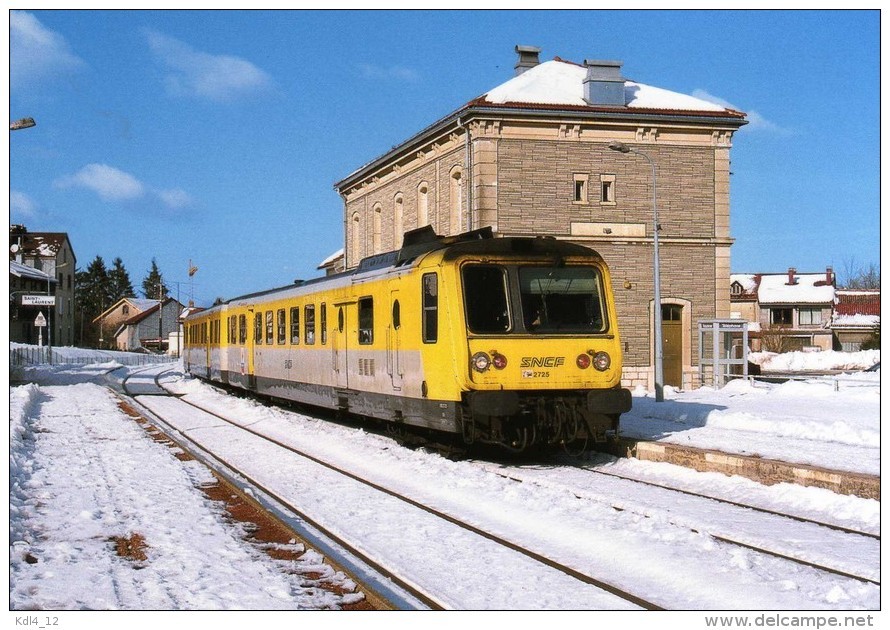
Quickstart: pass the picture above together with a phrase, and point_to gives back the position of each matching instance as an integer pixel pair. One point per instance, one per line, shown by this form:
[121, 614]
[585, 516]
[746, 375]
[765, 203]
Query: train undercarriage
[574, 422]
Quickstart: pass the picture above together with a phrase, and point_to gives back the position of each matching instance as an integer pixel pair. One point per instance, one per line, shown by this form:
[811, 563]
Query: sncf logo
[549, 362]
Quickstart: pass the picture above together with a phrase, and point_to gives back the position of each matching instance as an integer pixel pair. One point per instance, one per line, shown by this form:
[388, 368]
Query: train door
[208, 347]
[340, 343]
[393, 342]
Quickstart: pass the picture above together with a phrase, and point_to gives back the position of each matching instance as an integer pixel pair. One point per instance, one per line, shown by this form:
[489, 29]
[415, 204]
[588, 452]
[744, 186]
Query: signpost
[39, 300]
[40, 322]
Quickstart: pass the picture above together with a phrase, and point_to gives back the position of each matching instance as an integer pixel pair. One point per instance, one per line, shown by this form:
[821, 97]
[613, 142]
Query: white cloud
[174, 198]
[756, 122]
[196, 73]
[400, 73]
[21, 204]
[111, 184]
[35, 52]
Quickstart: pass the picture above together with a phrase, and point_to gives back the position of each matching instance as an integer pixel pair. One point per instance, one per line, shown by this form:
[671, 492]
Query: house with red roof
[856, 322]
[804, 311]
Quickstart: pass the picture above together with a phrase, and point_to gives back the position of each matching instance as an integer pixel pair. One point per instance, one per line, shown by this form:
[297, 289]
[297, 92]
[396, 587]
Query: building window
[607, 189]
[781, 316]
[378, 230]
[356, 251]
[398, 220]
[366, 320]
[456, 202]
[810, 316]
[671, 313]
[423, 205]
[580, 192]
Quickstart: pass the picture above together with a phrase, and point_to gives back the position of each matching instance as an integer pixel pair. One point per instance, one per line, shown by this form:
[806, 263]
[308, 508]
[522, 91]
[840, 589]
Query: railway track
[218, 428]
[809, 542]
[350, 553]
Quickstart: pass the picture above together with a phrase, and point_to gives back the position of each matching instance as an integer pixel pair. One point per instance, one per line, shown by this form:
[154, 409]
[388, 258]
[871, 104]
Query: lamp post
[23, 123]
[659, 345]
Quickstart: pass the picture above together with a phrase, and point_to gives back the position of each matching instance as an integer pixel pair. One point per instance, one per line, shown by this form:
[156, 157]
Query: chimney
[791, 273]
[604, 84]
[829, 275]
[528, 58]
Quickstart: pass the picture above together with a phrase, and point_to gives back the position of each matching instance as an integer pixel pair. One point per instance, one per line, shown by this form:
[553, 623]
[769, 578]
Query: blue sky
[217, 136]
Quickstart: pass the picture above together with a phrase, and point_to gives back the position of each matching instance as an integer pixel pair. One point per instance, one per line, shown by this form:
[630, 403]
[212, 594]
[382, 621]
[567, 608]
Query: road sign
[40, 320]
[38, 300]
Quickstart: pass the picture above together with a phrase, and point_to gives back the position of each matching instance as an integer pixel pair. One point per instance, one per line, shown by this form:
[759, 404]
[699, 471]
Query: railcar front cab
[543, 347]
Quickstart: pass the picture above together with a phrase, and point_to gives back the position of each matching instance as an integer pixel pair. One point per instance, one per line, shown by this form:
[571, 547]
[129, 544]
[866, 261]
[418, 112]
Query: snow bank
[815, 361]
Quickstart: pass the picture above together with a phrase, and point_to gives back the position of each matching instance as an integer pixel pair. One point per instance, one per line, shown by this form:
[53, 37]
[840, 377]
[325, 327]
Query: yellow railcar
[507, 341]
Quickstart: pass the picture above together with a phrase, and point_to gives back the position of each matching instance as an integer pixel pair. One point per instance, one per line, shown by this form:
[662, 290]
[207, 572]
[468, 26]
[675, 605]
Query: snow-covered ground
[82, 472]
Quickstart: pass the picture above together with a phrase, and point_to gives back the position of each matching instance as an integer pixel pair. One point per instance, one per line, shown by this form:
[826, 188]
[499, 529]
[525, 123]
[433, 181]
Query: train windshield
[561, 299]
[552, 300]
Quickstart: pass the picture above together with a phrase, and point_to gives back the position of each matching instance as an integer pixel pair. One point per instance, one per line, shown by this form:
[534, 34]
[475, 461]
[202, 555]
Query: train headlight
[583, 361]
[498, 360]
[602, 361]
[481, 362]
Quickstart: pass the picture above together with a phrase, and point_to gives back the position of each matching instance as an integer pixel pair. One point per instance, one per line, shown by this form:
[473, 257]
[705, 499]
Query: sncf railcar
[507, 341]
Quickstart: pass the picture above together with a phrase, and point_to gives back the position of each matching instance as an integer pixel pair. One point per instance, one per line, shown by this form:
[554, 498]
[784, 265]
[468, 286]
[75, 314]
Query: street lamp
[659, 345]
[22, 123]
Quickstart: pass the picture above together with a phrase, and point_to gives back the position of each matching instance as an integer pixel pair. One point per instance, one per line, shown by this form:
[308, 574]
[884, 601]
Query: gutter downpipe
[469, 178]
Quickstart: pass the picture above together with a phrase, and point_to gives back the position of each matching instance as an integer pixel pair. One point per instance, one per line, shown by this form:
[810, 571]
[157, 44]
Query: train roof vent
[424, 240]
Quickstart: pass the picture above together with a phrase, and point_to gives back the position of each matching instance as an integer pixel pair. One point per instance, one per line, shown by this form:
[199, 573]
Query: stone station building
[532, 157]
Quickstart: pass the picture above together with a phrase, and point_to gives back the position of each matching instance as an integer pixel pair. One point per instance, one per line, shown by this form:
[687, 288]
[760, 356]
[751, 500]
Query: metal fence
[33, 355]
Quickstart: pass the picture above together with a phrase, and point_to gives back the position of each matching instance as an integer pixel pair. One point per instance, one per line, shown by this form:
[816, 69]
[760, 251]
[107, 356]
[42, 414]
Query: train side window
[396, 315]
[258, 328]
[366, 320]
[270, 327]
[309, 324]
[242, 329]
[340, 320]
[324, 323]
[282, 326]
[295, 325]
[430, 315]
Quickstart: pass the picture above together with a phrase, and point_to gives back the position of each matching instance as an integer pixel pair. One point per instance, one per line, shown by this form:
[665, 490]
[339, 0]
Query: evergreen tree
[153, 286]
[120, 285]
[93, 297]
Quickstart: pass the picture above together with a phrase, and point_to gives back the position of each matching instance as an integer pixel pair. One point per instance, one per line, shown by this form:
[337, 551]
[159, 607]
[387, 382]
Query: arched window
[423, 204]
[456, 202]
[376, 243]
[355, 252]
[398, 220]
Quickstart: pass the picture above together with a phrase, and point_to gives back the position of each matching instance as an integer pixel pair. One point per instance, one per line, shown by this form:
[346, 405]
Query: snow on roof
[142, 304]
[856, 321]
[24, 271]
[808, 288]
[748, 281]
[337, 254]
[560, 82]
